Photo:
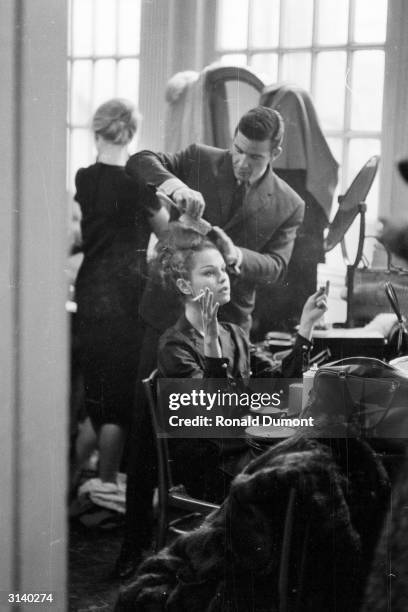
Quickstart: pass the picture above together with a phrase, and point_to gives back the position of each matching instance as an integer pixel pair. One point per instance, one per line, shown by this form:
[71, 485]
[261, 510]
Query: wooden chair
[232, 90]
[170, 496]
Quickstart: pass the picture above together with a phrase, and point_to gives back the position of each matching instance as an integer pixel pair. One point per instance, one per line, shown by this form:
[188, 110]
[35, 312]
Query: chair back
[150, 387]
[205, 106]
[164, 473]
[168, 494]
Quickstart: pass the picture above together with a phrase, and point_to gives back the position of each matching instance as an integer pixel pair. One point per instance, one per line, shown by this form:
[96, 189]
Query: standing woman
[119, 212]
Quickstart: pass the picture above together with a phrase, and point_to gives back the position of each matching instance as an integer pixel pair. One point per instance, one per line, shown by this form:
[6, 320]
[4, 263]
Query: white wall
[33, 351]
[175, 35]
[394, 192]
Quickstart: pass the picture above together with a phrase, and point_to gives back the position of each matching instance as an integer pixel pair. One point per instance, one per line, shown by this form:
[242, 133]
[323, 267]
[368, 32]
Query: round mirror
[349, 203]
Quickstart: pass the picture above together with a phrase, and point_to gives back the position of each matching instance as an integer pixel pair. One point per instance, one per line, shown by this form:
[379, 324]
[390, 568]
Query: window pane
[234, 59]
[232, 24]
[334, 260]
[265, 23]
[332, 22]
[361, 149]
[81, 92]
[297, 23]
[366, 90]
[128, 79]
[105, 27]
[104, 81]
[129, 27]
[330, 89]
[82, 151]
[296, 68]
[266, 64]
[370, 21]
[81, 27]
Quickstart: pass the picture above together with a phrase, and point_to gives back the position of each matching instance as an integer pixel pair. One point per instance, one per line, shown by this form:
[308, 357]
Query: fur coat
[387, 588]
[231, 562]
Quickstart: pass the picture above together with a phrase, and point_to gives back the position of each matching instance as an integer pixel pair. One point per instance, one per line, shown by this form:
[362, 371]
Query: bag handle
[390, 265]
[355, 360]
[393, 300]
[346, 361]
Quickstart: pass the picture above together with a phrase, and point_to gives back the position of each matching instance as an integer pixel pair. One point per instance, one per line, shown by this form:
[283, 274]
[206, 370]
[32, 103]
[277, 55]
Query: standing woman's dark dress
[115, 228]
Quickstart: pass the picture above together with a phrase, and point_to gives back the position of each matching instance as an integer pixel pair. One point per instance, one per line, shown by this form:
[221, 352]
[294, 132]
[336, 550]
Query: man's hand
[189, 201]
[230, 252]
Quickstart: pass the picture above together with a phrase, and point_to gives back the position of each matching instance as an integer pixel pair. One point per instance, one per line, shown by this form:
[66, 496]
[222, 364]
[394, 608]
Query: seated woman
[199, 346]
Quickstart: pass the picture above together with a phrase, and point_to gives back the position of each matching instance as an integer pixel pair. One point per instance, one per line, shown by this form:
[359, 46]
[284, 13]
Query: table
[269, 433]
[352, 342]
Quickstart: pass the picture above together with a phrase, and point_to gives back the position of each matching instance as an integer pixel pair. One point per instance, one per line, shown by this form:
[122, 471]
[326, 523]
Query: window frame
[347, 134]
[93, 57]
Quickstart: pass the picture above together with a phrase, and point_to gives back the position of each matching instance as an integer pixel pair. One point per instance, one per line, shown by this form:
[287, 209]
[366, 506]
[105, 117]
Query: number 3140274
[33, 598]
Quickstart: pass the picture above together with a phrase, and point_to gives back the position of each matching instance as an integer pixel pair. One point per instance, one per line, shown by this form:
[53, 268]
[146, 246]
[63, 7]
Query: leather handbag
[366, 296]
[361, 395]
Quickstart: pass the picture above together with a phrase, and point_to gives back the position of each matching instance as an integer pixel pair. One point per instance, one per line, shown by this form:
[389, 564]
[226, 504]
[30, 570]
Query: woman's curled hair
[174, 253]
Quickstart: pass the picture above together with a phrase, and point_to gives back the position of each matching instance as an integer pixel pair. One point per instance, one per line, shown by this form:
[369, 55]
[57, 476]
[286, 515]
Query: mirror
[349, 203]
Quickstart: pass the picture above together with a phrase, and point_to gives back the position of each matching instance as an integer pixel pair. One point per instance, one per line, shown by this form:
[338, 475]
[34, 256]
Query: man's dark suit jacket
[264, 227]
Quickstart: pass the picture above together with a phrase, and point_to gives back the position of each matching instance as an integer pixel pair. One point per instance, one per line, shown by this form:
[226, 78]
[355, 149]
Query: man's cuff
[171, 185]
[216, 367]
[303, 342]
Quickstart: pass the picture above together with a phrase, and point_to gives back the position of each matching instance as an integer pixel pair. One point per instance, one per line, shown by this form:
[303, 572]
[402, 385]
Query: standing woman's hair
[116, 121]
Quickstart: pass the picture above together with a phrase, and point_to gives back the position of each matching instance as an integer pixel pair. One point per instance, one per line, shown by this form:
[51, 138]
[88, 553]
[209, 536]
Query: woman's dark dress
[115, 210]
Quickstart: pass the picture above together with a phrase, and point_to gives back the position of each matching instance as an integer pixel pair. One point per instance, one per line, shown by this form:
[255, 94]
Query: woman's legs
[86, 443]
[110, 352]
[111, 441]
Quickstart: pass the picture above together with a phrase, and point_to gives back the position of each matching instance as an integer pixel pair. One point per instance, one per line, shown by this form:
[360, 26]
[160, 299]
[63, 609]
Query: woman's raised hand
[314, 308]
[209, 312]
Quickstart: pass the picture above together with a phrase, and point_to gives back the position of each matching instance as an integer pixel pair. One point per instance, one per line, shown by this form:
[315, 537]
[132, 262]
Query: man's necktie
[237, 200]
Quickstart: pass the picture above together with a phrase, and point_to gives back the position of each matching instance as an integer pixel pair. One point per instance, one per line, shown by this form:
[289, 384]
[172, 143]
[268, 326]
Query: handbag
[366, 296]
[360, 396]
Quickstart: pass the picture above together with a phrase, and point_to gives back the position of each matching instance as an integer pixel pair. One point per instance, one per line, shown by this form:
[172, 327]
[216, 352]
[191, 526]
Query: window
[103, 63]
[334, 49]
